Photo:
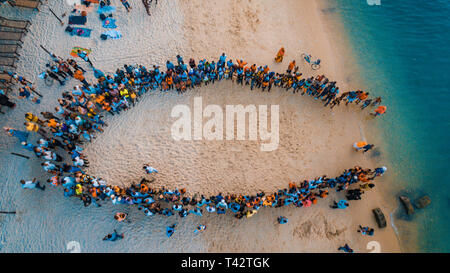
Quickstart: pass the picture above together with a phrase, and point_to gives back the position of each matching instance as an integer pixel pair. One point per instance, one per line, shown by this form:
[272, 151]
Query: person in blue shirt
[379, 172]
[31, 184]
[342, 204]
[282, 220]
[113, 237]
[21, 135]
[170, 65]
[179, 60]
[200, 228]
[366, 230]
[170, 230]
[222, 60]
[346, 249]
[69, 192]
[30, 147]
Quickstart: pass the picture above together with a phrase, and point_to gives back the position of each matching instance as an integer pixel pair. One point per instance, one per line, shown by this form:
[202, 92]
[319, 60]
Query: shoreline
[385, 199]
[407, 236]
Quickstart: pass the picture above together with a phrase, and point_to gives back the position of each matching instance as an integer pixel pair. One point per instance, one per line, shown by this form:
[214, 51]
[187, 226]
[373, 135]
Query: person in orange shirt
[169, 81]
[362, 96]
[379, 111]
[79, 76]
[241, 63]
[280, 55]
[52, 123]
[359, 145]
[99, 99]
[106, 106]
[323, 194]
[291, 66]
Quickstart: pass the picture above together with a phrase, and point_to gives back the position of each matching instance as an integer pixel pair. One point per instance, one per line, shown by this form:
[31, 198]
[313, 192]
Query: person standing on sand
[30, 117]
[148, 169]
[346, 249]
[83, 55]
[21, 135]
[379, 111]
[25, 93]
[342, 204]
[31, 184]
[200, 228]
[291, 67]
[113, 237]
[368, 147]
[126, 5]
[377, 101]
[280, 55]
[366, 103]
[4, 100]
[379, 172]
[32, 127]
[366, 230]
[358, 146]
[79, 76]
[120, 216]
[74, 64]
[49, 116]
[282, 220]
[170, 230]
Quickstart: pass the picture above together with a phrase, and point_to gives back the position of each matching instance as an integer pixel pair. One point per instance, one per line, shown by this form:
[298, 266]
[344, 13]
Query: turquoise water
[403, 53]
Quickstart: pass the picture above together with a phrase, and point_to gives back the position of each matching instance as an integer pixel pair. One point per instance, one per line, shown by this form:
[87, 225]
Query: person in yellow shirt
[33, 118]
[280, 55]
[33, 127]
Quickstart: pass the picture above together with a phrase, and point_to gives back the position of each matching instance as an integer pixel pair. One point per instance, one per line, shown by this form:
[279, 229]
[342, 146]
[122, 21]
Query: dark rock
[329, 10]
[407, 204]
[423, 202]
[379, 216]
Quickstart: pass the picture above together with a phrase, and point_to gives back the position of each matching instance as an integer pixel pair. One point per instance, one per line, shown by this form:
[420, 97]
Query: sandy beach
[314, 140]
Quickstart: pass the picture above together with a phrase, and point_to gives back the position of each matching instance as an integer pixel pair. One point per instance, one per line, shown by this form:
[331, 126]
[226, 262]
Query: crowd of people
[117, 92]
[26, 90]
[79, 116]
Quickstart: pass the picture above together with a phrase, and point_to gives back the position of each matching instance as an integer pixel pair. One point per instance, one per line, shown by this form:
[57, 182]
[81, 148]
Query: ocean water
[403, 53]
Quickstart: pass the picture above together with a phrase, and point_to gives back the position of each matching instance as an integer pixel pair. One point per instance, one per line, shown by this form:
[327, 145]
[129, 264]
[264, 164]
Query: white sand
[313, 140]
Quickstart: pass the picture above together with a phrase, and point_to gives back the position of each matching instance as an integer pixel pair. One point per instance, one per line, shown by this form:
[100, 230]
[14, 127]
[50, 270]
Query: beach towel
[75, 50]
[109, 23]
[77, 20]
[79, 31]
[106, 9]
[113, 34]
